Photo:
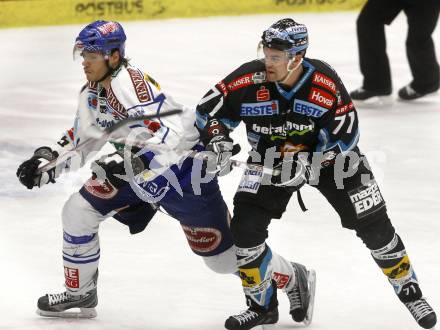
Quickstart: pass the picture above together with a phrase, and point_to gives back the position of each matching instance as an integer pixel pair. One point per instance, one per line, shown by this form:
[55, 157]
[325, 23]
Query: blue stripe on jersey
[230, 124]
[288, 95]
[324, 140]
[201, 120]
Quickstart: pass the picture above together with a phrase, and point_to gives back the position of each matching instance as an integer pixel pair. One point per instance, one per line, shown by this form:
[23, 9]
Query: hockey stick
[104, 136]
[146, 146]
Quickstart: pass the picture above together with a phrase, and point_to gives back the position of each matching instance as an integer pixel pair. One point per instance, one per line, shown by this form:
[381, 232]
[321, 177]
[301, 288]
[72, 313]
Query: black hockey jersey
[315, 115]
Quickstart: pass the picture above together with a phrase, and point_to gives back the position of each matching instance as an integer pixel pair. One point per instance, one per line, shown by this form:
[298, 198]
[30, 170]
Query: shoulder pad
[248, 74]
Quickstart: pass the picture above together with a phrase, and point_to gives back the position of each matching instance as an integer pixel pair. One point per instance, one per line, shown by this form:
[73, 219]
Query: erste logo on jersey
[321, 98]
[263, 94]
[268, 108]
[140, 85]
[308, 109]
[324, 81]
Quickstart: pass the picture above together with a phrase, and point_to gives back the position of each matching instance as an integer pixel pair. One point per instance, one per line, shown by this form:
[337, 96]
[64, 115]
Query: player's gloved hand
[292, 173]
[220, 150]
[112, 171]
[27, 172]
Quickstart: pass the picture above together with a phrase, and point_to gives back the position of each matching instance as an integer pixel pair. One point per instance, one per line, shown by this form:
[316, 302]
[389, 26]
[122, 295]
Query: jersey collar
[309, 68]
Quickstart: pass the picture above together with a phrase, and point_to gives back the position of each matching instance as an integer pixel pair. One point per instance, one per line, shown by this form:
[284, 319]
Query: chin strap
[290, 71]
[108, 73]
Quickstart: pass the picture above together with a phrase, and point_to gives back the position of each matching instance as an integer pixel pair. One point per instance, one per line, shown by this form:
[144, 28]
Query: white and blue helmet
[286, 35]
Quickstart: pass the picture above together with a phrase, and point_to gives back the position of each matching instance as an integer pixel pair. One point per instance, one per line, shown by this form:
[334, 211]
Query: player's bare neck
[106, 83]
[293, 77]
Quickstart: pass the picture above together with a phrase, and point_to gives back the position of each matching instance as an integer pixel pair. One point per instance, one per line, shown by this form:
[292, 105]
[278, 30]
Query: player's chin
[271, 77]
[91, 77]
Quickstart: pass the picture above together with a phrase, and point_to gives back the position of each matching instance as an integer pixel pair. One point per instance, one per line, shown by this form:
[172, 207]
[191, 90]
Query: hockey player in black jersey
[302, 124]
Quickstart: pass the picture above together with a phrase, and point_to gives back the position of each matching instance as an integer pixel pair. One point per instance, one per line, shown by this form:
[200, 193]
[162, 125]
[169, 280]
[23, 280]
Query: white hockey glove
[293, 172]
[220, 150]
[27, 172]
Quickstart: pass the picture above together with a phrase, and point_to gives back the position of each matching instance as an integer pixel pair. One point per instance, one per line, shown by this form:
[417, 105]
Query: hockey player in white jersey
[117, 90]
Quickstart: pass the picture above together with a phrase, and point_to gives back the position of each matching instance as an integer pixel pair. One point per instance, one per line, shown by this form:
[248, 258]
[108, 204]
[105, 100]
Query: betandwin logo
[366, 199]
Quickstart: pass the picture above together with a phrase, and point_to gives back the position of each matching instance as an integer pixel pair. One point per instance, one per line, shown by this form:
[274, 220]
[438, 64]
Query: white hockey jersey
[132, 93]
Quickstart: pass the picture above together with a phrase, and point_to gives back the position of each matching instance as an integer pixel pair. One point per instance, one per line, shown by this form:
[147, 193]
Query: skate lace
[419, 308]
[245, 316]
[58, 298]
[294, 298]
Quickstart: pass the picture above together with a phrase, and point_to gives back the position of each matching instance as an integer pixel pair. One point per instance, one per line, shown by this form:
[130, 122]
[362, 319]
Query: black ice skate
[251, 318]
[302, 295]
[367, 98]
[255, 315]
[422, 313]
[60, 305]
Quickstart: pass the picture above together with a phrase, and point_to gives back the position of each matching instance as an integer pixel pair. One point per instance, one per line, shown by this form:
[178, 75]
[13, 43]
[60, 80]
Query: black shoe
[422, 313]
[251, 318]
[408, 93]
[361, 94]
[366, 97]
[302, 295]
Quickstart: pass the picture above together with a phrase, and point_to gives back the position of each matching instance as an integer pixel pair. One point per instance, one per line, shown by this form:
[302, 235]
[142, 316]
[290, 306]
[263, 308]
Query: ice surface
[152, 280]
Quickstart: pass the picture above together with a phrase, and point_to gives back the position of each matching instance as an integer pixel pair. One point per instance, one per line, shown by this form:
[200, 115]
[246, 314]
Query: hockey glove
[220, 150]
[27, 172]
[292, 173]
[112, 171]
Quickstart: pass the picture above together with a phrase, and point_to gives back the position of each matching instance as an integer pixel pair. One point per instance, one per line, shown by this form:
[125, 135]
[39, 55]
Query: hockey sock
[81, 259]
[255, 268]
[395, 264]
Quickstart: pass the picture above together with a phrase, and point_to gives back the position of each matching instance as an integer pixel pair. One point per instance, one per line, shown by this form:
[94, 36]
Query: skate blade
[311, 282]
[268, 326]
[84, 313]
[375, 102]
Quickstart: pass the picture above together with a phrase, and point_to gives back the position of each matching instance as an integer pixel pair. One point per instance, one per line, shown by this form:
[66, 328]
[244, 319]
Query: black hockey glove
[292, 173]
[111, 171]
[27, 171]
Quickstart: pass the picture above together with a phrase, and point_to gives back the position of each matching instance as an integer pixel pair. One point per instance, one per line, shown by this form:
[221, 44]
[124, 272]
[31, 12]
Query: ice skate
[422, 313]
[256, 314]
[302, 295]
[251, 318]
[61, 305]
